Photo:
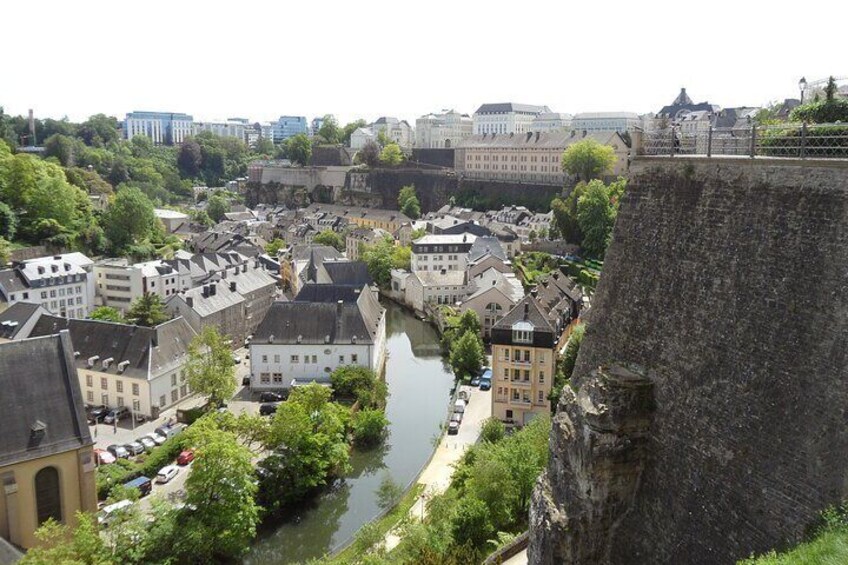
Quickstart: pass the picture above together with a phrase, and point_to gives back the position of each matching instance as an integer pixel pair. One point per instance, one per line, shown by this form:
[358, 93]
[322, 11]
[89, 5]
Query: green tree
[466, 355]
[391, 155]
[275, 246]
[147, 310]
[369, 155]
[469, 321]
[190, 158]
[401, 257]
[368, 427]
[596, 216]
[566, 363]
[349, 129]
[329, 130]
[359, 383]
[408, 202]
[220, 491]
[470, 522]
[8, 222]
[388, 493]
[331, 238]
[59, 543]
[588, 159]
[129, 219]
[492, 431]
[565, 215]
[379, 258]
[210, 368]
[264, 146]
[5, 251]
[61, 147]
[217, 206]
[298, 148]
[107, 314]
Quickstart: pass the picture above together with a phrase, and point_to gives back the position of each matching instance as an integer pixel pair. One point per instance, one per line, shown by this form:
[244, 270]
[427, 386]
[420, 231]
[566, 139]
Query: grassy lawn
[383, 526]
[830, 548]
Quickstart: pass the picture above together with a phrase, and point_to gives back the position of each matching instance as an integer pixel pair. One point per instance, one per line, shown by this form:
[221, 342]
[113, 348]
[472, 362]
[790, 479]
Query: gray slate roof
[483, 246]
[505, 107]
[353, 273]
[40, 389]
[13, 319]
[329, 293]
[530, 310]
[313, 323]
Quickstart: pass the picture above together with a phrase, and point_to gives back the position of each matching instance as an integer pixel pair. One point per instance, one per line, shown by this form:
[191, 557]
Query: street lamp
[802, 85]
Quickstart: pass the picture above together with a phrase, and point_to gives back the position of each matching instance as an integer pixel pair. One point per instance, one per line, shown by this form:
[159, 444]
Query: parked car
[185, 457]
[459, 405]
[158, 439]
[271, 397]
[475, 381]
[135, 448]
[147, 442]
[167, 473]
[456, 417]
[109, 513]
[485, 384]
[118, 451]
[268, 409]
[143, 484]
[103, 457]
[464, 396]
[486, 374]
[453, 428]
[116, 415]
[169, 431]
[97, 413]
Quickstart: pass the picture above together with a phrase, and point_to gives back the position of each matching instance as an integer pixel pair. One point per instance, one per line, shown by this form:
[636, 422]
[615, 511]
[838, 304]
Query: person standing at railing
[675, 139]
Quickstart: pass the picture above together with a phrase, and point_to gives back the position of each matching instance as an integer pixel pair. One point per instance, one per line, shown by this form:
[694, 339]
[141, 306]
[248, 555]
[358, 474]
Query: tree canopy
[391, 155]
[298, 148]
[147, 310]
[588, 159]
[408, 202]
[210, 368]
[331, 238]
[129, 220]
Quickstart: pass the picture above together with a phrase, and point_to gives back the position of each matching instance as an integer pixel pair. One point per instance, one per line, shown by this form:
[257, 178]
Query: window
[89, 380]
[354, 358]
[119, 386]
[174, 395]
[135, 389]
[276, 358]
[527, 355]
[506, 354]
[315, 359]
[120, 401]
[265, 378]
[278, 378]
[541, 357]
[526, 376]
[104, 385]
[183, 391]
[541, 377]
[48, 498]
[341, 359]
[43, 294]
[174, 379]
[295, 358]
[506, 373]
[541, 397]
[162, 401]
[89, 396]
[136, 406]
[264, 358]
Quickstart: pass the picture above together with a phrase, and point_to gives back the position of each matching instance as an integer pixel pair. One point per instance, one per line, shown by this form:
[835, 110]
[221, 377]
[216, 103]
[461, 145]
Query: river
[419, 391]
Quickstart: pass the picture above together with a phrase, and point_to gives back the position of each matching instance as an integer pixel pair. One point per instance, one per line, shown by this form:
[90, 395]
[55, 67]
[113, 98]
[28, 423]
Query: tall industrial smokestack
[32, 140]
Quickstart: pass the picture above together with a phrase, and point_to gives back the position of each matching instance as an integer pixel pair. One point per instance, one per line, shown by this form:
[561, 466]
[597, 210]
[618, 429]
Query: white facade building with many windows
[506, 117]
[438, 252]
[441, 131]
[62, 284]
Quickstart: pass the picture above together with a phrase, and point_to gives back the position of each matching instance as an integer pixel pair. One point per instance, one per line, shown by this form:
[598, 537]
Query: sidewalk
[437, 475]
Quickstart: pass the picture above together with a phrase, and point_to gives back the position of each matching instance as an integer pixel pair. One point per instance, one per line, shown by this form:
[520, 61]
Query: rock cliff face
[727, 286]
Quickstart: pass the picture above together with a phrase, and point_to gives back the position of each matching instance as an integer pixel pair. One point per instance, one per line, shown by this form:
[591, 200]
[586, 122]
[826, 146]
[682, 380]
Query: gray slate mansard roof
[13, 319]
[40, 386]
[505, 107]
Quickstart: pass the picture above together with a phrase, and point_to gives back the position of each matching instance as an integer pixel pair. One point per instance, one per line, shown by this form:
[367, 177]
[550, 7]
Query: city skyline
[635, 59]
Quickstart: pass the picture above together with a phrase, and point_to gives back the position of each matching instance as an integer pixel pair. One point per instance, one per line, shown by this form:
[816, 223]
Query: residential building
[234, 303]
[126, 365]
[46, 450]
[591, 122]
[496, 293]
[441, 252]
[395, 130]
[529, 157]
[163, 128]
[17, 321]
[224, 128]
[506, 118]
[304, 265]
[681, 106]
[361, 136]
[430, 288]
[389, 220]
[62, 284]
[171, 219]
[550, 121]
[442, 131]
[358, 237]
[525, 343]
[307, 341]
[288, 126]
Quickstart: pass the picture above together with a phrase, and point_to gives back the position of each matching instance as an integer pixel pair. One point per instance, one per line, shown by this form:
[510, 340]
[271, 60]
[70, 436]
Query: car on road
[167, 473]
[116, 415]
[119, 451]
[103, 457]
[110, 512]
[269, 396]
[158, 439]
[135, 447]
[486, 375]
[456, 417]
[185, 457]
[169, 431]
[268, 409]
[485, 384]
[143, 484]
[147, 442]
[453, 428]
[97, 413]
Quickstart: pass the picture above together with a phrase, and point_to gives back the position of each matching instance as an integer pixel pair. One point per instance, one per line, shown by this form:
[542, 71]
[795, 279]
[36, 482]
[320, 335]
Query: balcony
[522, 382]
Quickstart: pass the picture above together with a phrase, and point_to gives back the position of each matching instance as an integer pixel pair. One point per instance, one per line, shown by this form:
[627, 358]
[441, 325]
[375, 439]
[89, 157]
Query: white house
[361, 136]
[435, 252]
[62, 284]
[307, 341]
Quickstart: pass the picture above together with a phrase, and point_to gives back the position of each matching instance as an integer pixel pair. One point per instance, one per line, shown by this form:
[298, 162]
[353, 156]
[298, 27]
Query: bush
[161, 456]
[117, 473]
[470, 522]
[368, 427]
[359, 383]
[493, 430]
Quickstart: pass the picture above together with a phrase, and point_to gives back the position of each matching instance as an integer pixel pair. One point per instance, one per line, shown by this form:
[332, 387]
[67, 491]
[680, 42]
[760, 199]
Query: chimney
[32, 140]
[339, 308]
[205, 291]
[232, 286]
[526, 310]
[190, 301]
[534, 292]
[212, 289]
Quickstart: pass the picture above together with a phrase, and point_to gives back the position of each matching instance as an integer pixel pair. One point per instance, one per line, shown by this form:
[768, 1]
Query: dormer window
[522, 332]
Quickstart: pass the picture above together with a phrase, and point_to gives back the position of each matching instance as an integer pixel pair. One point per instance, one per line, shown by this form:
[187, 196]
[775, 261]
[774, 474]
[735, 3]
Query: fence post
[710, 142]
[753, 140]
[803, 140]
[671, 140]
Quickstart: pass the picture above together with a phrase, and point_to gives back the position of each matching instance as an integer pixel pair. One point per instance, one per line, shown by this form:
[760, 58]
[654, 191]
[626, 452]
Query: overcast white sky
[373, 57]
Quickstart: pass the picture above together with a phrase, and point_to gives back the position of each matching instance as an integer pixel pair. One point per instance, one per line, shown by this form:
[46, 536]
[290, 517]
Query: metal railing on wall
[800, 141]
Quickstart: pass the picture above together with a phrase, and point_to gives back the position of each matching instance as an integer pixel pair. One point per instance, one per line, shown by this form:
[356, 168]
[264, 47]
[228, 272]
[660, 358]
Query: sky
[374, 58]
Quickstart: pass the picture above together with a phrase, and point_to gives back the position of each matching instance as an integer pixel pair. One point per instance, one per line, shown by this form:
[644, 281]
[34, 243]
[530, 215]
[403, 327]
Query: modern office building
[163, 128]
[224, 128]
[288, 126]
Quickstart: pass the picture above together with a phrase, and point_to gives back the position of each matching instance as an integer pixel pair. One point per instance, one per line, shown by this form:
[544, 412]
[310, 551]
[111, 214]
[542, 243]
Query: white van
[459, 406]
[108, 513]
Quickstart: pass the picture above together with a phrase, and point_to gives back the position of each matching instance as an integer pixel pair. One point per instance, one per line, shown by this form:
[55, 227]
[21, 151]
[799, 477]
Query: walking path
[436, 476]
